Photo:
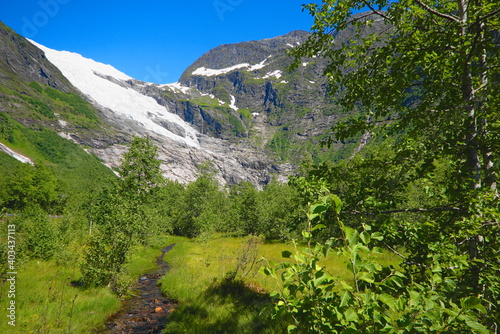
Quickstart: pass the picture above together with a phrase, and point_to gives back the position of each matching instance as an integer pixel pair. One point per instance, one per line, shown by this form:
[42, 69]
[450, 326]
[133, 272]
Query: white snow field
[82, 73]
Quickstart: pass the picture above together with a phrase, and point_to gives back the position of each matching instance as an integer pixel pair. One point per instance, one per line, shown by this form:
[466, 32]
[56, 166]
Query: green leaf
[338, 203]
[286, 254]
[345, 298]
[351, 315]
[477, 327]
[471, 303]
[377, 236]
[318, 208]
[367, 277]
[291, 328]
[351, 235]
[389, 300]
[265, 271]
[312, 216]
[365, 237]
[317, 227]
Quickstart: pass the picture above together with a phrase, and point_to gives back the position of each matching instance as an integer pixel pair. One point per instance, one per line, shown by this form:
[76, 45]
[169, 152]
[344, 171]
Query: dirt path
[146, 312]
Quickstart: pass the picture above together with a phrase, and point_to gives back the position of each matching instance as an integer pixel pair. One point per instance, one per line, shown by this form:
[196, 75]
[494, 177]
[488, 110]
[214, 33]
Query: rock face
[237, 107]
[255, 76]
[20, 58]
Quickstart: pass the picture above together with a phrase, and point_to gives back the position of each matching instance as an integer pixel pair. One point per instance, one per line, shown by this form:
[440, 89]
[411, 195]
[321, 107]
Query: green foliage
[221, 93]
[123, 216]
[377, 299]
[76, 104]
[140, 168]
[112, 236]
[279, 211]
[203, 207]
[237, 126]
[425, 75]
[40, 106]
[38, 235]
[429, 72]
[32, 185]
[69, 163]
[280, 144]
[245, 113]
[246, 206]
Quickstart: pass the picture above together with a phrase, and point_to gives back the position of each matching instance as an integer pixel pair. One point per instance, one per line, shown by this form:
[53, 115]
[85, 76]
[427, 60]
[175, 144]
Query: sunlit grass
[49, 298]
[46, 302]
[197, 279]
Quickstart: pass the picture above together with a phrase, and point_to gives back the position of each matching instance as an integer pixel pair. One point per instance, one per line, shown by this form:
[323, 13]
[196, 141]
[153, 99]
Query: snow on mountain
[276, 74]
[208, 72]
[177, 86]
[233, 103]
[19, 157]
[93, 79]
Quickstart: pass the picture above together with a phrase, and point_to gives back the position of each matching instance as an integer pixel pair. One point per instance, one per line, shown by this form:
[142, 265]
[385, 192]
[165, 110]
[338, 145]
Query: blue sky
[150, 40]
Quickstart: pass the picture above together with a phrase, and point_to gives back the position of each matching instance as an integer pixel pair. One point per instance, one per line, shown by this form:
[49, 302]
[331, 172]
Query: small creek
[147, 311]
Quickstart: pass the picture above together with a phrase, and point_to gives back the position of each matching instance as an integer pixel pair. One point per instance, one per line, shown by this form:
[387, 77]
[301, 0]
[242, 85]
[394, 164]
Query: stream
[147, 311]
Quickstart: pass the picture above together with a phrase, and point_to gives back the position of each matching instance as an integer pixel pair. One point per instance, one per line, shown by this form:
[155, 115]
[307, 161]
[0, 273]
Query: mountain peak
[245, 54]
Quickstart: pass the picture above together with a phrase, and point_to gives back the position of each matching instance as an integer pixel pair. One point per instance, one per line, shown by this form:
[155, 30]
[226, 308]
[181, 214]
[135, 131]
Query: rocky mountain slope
[35, 91]
[237, 107]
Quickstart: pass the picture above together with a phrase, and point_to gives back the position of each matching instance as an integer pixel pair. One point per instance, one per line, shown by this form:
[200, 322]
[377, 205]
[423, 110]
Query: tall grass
[50, 299]
[210, 302]
[44, 301]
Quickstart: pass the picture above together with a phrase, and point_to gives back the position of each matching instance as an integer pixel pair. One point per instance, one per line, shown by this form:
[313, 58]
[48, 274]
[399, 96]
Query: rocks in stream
[147, 312]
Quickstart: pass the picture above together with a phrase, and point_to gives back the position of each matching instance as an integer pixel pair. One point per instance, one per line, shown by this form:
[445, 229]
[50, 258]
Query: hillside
[238, 107]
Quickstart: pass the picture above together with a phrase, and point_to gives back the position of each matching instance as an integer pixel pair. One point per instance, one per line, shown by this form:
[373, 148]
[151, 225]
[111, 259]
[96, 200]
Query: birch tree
[427, 72]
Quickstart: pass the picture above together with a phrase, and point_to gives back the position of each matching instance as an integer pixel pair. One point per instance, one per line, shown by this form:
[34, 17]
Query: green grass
[210, 303]
[44, 301]
[49, 298]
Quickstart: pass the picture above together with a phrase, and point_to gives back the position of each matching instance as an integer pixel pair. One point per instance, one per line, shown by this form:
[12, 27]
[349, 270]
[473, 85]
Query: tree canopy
[420, 78]
[430, 69]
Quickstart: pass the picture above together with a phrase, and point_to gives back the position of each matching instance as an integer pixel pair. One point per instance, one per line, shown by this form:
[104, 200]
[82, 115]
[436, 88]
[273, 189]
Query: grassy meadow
[209, 302]
[50, 299]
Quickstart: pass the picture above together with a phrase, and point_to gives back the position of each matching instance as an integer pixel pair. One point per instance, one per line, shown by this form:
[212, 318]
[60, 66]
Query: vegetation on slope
[424, 189]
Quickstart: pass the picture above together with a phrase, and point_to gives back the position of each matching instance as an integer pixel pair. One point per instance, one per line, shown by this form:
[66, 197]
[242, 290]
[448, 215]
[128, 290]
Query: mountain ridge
[237, 107]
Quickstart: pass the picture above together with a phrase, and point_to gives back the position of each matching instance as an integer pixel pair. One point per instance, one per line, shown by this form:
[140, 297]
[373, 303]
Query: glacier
[92, 79]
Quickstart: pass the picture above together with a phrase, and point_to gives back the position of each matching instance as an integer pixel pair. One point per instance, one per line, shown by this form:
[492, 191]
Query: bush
[38, 234]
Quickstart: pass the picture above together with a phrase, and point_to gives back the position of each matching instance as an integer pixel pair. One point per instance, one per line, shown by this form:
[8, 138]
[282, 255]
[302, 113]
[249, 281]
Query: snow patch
[276, 74]
[176, 86]
[81, 72]
[259, 65]
[233, 103]
[15, 155]
[208, 72]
